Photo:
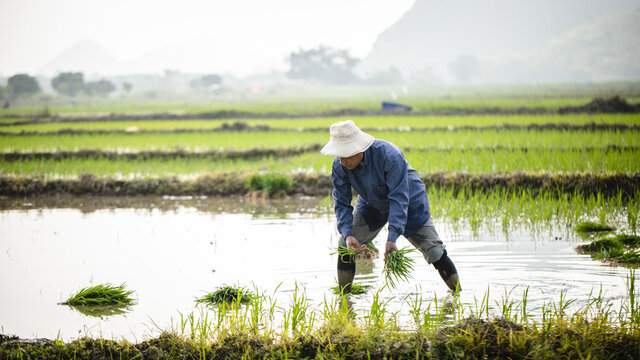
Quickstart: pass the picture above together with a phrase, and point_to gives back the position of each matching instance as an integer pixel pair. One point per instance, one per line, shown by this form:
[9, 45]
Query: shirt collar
[365, 159]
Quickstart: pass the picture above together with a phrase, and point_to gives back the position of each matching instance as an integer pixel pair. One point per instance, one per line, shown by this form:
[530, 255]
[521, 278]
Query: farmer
[389, 190]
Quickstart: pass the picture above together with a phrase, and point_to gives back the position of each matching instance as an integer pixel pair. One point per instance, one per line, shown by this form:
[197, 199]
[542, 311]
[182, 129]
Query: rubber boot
[453, 282]
[346, 273]
[448, 272]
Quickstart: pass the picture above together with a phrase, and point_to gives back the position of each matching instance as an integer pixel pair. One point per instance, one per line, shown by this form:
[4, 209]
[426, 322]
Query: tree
[323, 63]
[212, 81]
[100, 87]
[392, 76]
[23, 84]
[127, 87]
[69, 83]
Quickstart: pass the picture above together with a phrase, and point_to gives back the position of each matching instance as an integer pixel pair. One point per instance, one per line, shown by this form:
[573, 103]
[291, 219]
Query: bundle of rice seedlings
[346, 254]
[356, 289]
[226, 294]
[588, 226]
[103, 294]
[397, 266]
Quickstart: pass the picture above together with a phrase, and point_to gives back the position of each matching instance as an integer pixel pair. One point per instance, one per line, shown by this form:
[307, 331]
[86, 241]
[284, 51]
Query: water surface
[172, 250]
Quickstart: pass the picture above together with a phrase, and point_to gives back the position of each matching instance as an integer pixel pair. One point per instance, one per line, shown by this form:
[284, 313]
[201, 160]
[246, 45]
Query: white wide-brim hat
[346, 140]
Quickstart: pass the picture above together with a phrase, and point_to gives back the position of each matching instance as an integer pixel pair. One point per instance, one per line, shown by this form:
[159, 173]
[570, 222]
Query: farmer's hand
[353, 244]
[389, 248]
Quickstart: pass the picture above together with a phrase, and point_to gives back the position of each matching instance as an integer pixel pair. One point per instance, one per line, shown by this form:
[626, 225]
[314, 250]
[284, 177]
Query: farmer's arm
[342, 197]
[396, 179]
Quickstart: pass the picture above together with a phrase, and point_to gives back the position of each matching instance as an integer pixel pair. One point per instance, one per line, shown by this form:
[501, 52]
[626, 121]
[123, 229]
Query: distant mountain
[506, 40]
[606, 49]
[196, 55]
[85, 56]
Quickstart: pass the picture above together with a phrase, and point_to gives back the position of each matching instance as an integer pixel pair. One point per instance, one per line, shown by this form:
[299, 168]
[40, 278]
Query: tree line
[68, 83]
[323, 64]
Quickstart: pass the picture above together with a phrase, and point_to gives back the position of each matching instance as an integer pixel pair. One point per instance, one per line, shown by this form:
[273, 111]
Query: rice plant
[273, 184]
[623, 248]
[226, 294]
[103, 294]
[397, 266]
[346, 255]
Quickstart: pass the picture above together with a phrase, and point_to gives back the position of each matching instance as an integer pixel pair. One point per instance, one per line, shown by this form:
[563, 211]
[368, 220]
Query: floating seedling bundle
[103, 294]
[226, 294]
[101, 300]
[589, 227]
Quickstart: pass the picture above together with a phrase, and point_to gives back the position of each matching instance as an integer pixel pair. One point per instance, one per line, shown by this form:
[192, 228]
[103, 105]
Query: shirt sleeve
[396, 178]
[342, 196]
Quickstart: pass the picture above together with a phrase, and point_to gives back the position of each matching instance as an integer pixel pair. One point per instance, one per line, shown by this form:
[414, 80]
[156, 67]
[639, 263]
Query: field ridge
[226, 184]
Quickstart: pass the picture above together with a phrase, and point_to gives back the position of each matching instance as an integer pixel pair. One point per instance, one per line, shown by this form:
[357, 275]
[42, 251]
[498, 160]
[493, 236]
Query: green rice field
[375, 122]
[505, 190]
[431, 144]
[468, 161]
[235, 140]
[542, 97]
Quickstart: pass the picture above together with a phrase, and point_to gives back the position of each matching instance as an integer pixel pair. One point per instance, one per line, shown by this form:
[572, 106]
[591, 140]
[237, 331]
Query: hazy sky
[255, 35]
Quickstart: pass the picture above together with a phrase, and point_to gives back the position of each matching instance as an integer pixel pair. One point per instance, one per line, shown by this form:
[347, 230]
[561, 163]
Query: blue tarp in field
[395, 106]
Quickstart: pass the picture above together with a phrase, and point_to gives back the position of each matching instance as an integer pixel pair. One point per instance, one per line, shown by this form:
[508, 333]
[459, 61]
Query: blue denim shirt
[388, 190]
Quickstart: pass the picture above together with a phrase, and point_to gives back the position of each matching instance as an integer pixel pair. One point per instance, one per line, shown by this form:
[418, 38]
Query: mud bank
[148, 155]
[243, 127]
[260, 153]
[470, 339]
[220, 184]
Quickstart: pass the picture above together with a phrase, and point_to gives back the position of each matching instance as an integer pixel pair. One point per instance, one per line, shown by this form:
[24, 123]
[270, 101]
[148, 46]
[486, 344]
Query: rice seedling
[299, 318]
[589, 226]
[346, 255]
[356, 289]
[378, 317]
[226, 294]
[397, 266]
[272, 184]
[103, 294]
[632, 216]
[326, 203]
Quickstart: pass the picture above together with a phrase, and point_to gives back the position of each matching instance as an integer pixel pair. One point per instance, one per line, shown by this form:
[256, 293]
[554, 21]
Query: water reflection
[101, 311]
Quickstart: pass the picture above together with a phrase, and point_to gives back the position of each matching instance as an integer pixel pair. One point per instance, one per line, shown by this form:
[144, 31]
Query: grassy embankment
[488, 328]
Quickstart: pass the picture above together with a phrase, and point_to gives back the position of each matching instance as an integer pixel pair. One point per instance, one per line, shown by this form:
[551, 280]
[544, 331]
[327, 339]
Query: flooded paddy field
[172, 250]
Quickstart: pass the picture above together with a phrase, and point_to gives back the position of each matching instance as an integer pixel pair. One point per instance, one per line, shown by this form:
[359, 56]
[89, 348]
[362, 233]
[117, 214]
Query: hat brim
[346, 149]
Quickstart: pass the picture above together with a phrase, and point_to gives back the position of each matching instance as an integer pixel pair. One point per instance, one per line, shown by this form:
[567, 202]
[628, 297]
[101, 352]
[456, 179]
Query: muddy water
[171, 250]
